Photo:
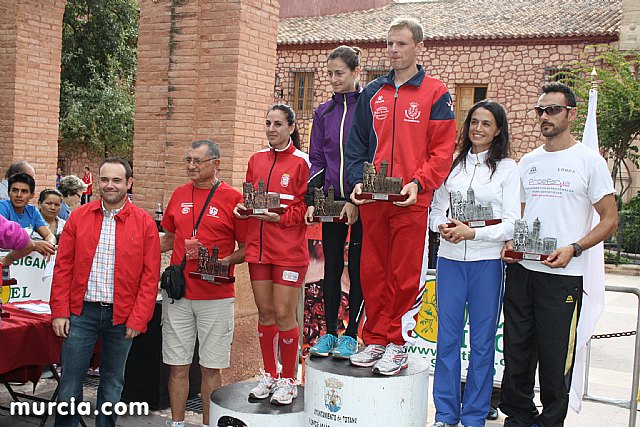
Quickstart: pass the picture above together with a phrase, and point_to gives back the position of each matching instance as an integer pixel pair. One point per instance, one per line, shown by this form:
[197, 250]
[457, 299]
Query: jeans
[77, 349]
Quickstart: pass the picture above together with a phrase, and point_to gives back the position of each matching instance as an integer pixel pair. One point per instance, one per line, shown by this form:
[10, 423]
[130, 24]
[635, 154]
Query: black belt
[103, 304]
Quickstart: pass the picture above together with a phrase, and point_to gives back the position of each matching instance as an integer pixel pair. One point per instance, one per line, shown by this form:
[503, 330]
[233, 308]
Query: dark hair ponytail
[291, 120]
[350, 55]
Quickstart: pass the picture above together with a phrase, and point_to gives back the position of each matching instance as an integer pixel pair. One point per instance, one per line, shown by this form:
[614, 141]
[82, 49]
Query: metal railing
[624, 246]
[631, 404]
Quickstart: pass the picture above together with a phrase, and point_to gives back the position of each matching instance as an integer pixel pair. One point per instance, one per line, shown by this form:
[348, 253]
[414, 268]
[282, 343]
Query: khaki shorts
[210, 320]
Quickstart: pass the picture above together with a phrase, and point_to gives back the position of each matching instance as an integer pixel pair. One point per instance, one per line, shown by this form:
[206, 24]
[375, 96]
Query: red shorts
[281, 275]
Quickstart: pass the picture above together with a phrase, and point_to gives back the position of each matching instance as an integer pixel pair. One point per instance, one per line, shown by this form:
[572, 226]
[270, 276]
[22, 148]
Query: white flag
[593, 282]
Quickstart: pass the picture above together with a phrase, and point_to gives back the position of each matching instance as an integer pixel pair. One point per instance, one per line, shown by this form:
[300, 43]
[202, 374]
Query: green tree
[97, 89]
[618, 113]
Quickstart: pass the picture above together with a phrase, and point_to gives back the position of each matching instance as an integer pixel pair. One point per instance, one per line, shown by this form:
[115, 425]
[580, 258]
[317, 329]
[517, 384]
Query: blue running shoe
[324, 346]
[346, 347]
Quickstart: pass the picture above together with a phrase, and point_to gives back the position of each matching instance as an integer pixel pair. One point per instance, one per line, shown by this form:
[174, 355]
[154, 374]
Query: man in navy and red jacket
[105, 284]
[407, 119]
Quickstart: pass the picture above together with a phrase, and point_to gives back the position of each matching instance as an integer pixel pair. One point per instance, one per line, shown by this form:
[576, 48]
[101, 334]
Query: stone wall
[512, 73]
[630, 26]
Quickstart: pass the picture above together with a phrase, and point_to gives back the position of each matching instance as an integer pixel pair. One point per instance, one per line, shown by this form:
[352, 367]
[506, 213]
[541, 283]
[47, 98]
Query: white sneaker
[394, 360]
[369, 356]
[175, 423]
[441, 424]
[265, 386]
[286, 391]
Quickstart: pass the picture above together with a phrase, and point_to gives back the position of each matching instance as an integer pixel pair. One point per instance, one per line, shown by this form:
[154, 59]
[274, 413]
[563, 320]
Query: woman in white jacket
[469, 270]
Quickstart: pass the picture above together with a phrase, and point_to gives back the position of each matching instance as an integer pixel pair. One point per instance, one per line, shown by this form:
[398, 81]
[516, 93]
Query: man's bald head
[20, 167]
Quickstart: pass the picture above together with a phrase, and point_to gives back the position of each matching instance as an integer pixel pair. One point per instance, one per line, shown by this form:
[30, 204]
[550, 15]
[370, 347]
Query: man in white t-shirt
[562, 182]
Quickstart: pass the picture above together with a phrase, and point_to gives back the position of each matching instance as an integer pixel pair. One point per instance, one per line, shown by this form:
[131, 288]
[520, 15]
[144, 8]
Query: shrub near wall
[630, 225]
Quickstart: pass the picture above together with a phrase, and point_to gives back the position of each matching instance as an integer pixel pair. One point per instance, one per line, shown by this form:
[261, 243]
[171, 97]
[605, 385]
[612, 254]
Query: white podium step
[231, 407]
[340, 394]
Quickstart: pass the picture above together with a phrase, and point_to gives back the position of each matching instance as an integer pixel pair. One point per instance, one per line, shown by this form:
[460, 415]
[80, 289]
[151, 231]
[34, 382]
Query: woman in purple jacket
[331, 124]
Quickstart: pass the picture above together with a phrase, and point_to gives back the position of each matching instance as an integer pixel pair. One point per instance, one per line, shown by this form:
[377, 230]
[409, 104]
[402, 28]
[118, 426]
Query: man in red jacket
[105, 283]
[406, 119]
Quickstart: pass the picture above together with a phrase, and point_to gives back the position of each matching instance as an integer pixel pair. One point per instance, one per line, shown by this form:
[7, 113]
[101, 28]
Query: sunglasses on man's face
[551, 110]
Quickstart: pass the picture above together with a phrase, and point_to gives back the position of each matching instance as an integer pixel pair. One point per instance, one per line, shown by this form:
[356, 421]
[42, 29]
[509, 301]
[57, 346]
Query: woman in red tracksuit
[276, 250]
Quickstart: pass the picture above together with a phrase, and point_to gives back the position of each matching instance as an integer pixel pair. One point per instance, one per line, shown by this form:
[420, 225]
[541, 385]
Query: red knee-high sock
[268, 336]
[289, 351]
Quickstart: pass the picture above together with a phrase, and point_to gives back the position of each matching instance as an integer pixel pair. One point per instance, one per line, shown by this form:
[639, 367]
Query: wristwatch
[577, 249]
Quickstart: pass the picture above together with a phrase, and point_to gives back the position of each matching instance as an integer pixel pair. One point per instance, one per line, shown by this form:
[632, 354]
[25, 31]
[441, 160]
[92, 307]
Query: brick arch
[30, 45]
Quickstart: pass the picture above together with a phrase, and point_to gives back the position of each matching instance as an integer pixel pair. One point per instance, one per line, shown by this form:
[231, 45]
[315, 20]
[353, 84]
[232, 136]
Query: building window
[467, 95]
[303, 92]
[373, 73]
[554, 74]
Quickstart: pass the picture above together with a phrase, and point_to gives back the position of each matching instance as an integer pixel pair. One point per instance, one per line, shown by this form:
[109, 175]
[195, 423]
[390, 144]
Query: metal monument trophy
[210, 268]
[528, 245]
[259, 202]
[379, 186]
[327, 209]
[470, 213]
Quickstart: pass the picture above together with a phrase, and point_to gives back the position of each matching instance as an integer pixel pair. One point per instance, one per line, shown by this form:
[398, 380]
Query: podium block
[340, 394]
[230, 406]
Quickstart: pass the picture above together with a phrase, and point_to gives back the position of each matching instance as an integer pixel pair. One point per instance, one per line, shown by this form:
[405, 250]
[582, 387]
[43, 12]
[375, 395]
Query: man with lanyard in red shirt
[206, 310]
[405, 118]
[105, 284]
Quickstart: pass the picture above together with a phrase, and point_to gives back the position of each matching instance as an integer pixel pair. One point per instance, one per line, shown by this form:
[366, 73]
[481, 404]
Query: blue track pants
[477, 285]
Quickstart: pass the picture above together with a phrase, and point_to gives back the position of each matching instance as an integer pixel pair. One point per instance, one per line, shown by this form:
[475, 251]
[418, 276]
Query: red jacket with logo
[218, 227]
[285, 172]
[412, 128]
[136, 271]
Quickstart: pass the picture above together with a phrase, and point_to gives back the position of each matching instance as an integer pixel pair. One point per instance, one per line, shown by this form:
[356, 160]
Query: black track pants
[334, 236]
[540, 320]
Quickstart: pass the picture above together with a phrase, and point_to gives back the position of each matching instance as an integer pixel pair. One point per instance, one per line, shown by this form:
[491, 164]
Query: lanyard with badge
[192, 245]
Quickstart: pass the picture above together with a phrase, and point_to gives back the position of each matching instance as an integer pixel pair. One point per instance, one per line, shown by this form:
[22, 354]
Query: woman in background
[71, 188]
[49, 204]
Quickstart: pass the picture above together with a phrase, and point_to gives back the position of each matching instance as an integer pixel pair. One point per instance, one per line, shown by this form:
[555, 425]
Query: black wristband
[415, 181]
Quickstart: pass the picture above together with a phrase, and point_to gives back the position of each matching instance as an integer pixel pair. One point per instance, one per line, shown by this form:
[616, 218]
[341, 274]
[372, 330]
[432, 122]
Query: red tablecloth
[27, 342]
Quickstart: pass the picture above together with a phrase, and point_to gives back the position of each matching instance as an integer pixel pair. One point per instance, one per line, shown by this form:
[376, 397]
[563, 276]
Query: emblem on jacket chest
[284, 180]
[412, 114]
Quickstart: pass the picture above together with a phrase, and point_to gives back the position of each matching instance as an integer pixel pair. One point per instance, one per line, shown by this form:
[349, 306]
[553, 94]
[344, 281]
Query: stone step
[231, 407]
[340, 394]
